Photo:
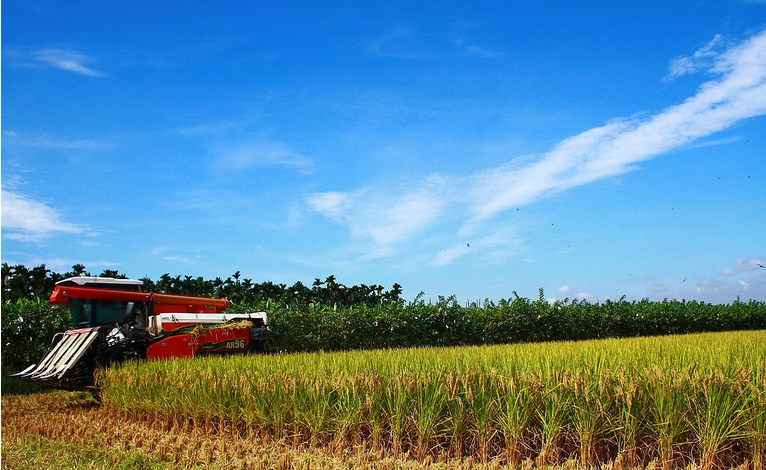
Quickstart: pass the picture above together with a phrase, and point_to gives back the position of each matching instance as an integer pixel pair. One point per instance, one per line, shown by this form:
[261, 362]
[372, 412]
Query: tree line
[331, 316]
[21, 282]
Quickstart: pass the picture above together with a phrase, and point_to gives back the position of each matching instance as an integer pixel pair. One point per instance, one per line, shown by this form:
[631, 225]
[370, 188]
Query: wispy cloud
[738, 92]
[187, 260]
[751, 264]
[702, 59]
[400, 42]
[45, 141]
[616, 148]
[66, 59]
[64, 264]
[569, 292]
[475, 50]
[746, 280]
[332, 204]
[408, 215]
[372, 214]
[495, 247]
[162, 251]
[27, 220]
[245, 156]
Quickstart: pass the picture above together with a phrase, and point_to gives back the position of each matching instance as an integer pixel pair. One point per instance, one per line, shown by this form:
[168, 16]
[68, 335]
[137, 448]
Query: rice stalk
[428, 413]
[517, 403]
[481, 399]
[720, 418]
[669, 401]
[552, 414]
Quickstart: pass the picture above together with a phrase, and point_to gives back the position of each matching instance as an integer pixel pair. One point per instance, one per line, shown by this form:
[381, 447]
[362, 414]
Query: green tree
[28, 326]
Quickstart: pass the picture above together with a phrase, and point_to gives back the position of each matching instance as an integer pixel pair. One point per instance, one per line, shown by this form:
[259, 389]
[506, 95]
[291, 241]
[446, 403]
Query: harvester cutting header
[116, 320]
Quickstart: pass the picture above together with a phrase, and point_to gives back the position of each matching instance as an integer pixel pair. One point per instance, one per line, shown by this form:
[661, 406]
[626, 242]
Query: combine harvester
[116, 320]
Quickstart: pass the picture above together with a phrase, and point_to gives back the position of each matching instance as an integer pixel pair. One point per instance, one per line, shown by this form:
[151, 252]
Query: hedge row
[29, 325]
[447, 323]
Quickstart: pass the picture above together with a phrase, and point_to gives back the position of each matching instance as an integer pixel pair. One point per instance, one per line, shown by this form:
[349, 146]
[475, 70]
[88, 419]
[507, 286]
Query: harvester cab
[116, 320]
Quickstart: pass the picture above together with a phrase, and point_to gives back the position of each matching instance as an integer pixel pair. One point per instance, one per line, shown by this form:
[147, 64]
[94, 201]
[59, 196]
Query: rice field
[63, 430]
[670, 401]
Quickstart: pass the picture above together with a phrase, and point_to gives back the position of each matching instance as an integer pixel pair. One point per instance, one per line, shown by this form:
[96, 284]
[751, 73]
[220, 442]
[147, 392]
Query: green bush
[315, 327]
[28, 326]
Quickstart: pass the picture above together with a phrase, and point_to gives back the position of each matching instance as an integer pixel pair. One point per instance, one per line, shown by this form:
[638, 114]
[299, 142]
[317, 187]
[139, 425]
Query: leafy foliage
[445, 322]
[28, 325]
[20, 282]
[331, 316]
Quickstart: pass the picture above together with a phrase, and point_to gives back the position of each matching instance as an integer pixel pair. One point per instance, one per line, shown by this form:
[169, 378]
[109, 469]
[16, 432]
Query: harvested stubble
[65, 430]
[676, 400]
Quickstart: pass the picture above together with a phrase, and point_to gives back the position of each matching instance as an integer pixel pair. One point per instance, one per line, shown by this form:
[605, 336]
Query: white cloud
[26, 220]
[701, 59]
[62, 264]
[187, 260]
[745, 279]
[410, 214]
[370, 214]
[162, 251]
[571, 293]
[750, 264]
[493, 247]
[615, 148]
[389, 218]
[332, 204]
[260, 153]
[450, 254]
[65, 59]
[719, 290]
[43, 141]
[476, 51]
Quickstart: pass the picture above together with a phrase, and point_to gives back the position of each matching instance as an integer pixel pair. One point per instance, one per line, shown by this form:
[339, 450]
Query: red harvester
[116, 320]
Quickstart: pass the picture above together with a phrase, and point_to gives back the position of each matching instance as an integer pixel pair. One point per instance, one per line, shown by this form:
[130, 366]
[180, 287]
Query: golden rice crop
[675, 400]
[68, 430]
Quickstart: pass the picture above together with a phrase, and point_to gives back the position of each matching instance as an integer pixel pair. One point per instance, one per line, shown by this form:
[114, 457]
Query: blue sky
[594, 150]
